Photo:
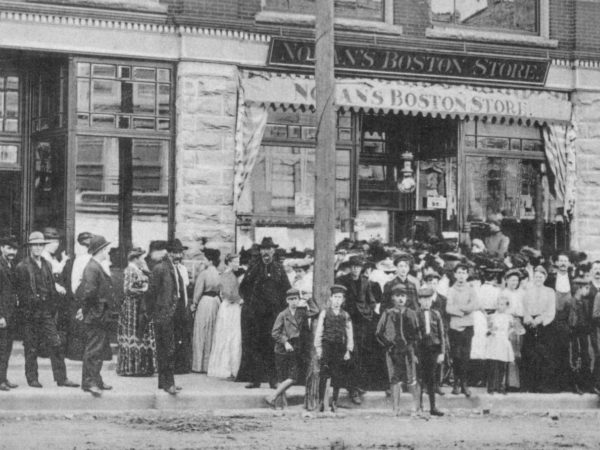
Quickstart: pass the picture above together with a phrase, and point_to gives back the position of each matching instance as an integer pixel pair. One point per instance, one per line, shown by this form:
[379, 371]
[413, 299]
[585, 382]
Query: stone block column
[585, 228]
[206, 115]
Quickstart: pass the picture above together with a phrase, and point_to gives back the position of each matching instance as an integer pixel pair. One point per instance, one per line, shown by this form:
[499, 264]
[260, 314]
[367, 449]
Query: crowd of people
[412, 317]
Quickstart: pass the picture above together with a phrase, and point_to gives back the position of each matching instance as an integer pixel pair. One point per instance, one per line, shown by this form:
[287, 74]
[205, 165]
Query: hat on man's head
[293, 292]
[175, 246]
[10, 241]
[37, 238]
[356, 261]
[51, 233]
[157, 245]
[399, 289]
[267, 242]
[403, 257]
[96, 244]
[83, 237]
[338, 289]
[426, 291]
[432, 275]
[135, 252]
[386, 265]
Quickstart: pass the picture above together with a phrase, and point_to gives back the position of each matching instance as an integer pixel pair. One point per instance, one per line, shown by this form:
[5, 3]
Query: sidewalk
[203, 393]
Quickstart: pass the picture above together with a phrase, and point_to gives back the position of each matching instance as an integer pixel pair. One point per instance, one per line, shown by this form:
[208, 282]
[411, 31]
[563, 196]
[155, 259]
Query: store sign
[414, 98]
[436, 202]
[416, 63]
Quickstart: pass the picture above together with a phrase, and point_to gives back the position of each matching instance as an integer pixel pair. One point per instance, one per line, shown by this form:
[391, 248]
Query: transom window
[507, 15]
[354, 9]
[9, 103]
[123, 96]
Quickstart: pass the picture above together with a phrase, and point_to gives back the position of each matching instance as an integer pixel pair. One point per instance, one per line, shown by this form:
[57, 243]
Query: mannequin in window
[496, 242]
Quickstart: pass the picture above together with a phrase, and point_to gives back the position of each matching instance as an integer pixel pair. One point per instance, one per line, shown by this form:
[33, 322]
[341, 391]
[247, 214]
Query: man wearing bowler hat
[38, 299]
[95, 297]
[166, 303]
[263, 290]
[8, 306]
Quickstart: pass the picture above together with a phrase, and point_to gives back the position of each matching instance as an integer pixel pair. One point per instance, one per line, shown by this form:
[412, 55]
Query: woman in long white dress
[226, 354]
[205, 307]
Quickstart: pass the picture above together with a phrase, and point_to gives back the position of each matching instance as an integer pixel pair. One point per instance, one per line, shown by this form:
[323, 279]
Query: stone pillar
[585, 228]
[206, 114]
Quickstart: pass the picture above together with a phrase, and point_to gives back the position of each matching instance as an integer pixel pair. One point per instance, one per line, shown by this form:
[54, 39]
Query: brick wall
[587, 18]
[206, 115]
[218, 9]
[413, 15]
[562, 23]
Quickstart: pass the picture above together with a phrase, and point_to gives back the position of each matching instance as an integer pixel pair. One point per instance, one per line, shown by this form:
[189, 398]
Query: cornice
[51, 18]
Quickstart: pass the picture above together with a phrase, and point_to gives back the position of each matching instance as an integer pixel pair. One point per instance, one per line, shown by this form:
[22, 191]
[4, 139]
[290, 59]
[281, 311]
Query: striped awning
[415, 98]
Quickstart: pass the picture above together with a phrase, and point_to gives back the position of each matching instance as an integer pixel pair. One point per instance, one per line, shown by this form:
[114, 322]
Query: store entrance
[408, 173]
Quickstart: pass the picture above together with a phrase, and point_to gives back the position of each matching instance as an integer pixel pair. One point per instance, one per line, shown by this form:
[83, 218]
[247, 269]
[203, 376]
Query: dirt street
[293, 430]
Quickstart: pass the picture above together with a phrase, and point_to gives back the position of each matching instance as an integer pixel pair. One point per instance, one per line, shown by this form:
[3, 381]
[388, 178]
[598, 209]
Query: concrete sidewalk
[203, 393]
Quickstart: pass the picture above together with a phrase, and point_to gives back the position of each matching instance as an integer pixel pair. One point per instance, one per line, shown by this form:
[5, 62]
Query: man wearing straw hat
[38, 299]
[95, 297]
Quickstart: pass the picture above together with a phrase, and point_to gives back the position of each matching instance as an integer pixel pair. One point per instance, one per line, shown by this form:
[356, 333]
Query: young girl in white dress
[499, 350]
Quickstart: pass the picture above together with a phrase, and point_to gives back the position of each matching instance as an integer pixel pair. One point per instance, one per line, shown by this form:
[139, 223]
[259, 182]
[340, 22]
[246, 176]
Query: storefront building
[145, 122]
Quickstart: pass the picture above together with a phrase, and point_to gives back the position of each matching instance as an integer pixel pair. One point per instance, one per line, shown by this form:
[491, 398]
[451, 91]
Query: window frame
[385, 26]
[541, 38]
[76, 130]
[279, 218]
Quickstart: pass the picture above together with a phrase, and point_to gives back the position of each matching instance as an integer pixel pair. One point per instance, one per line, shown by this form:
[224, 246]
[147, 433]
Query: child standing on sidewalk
[431, 347]
[334, 342]
[291, 334]
[499, 351]
[398, 332]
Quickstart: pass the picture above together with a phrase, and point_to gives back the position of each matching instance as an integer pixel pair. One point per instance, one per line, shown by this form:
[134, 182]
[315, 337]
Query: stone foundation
[206, 115]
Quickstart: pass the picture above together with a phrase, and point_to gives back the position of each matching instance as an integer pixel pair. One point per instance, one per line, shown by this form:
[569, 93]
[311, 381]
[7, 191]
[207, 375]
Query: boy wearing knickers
[334, 342]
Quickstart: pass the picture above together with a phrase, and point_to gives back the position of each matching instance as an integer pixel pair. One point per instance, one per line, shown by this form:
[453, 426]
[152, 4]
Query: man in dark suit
[439, 301]
[263, 290]
[38, 299]
[8, 306]
[588, 323]
[95, 297]
[166, 303]
[360, 304]
[431, 346]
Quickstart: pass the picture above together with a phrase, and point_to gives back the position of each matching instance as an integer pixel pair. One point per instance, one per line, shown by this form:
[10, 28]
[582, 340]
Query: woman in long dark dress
[137, 347]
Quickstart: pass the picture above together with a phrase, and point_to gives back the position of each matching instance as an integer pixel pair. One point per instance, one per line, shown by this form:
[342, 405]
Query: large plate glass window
[123, 152]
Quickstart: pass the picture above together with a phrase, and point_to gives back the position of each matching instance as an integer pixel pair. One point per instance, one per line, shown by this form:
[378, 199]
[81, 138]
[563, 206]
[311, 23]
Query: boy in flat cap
[334, 341]
[431, 347]
[291, 333]
[398, 332]
[403, 264]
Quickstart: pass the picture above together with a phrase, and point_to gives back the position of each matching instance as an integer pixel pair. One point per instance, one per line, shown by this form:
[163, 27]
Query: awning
[428, 99]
